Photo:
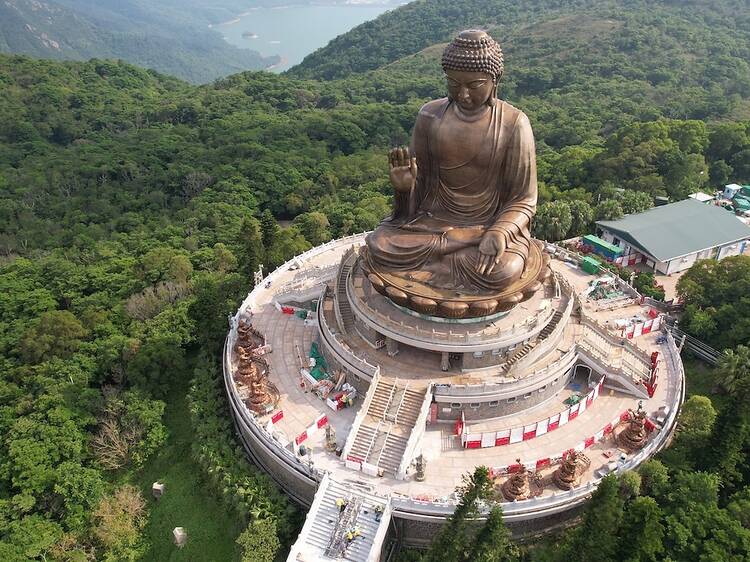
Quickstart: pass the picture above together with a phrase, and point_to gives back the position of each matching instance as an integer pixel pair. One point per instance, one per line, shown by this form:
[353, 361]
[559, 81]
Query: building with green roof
[673, 237]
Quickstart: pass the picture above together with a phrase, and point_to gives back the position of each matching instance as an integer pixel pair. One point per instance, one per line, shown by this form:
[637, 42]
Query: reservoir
[294, 32]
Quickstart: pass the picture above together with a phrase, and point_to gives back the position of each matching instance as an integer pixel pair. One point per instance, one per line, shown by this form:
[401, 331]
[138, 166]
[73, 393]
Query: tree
[553, 221]
[733, 371]
[119, 519]
[726, 456]
[129, 430]
[635, 202]
[252, 251]
[608, 210]
[654, 478]
[596, 538]
[452, 543]
[630, 485]
[582, 217]
[259, 542]
[697, 415]
[739, 506]
[80, 489]
[57, 333]
[314, 227]
[493, 543]
[642, 532]
[269, 229]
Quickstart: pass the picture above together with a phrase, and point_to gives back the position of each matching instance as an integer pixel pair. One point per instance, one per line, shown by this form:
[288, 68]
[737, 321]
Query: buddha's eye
[477, 84]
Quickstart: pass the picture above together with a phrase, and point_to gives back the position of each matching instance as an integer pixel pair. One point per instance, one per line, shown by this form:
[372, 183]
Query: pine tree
[595, 540]
[452, 543]
[269, 228]
[251, 243]
[494, 543]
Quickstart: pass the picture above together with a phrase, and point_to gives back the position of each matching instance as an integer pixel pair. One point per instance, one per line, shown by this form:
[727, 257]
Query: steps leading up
[324, 534]
[382, 435]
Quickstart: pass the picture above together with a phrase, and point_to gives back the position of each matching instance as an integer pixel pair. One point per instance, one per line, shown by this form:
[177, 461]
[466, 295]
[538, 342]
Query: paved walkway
[447, 461]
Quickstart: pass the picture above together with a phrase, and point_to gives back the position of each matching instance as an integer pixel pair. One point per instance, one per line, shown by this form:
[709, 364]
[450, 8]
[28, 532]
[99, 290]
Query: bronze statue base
[451, 303]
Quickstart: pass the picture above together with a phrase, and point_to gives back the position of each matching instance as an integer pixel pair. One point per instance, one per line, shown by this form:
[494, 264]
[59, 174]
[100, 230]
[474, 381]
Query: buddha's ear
[493, 94]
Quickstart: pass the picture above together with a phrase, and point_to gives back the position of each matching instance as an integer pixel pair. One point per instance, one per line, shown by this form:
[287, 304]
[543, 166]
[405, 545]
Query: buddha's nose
[463, 94]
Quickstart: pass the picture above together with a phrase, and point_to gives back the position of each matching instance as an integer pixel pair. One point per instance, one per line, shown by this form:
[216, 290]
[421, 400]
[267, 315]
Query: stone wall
[498, 408]
[368, 334]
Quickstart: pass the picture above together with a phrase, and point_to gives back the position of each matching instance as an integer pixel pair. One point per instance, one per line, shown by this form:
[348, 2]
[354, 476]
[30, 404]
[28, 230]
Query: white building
[673, 237]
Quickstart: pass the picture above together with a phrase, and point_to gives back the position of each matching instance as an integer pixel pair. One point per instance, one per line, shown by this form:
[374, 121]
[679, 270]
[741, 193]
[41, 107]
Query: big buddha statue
[458, 241]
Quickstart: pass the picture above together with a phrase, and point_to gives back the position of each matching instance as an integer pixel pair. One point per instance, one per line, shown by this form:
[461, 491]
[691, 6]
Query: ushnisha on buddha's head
[473, 65]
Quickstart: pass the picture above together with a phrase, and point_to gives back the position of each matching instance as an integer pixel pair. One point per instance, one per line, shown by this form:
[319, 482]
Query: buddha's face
[470, 90]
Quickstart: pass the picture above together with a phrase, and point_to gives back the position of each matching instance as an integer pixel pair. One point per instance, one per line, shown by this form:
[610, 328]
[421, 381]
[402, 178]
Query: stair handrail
[385, 444]
[390, 399]
[372, 441]
[360, 416]
[416, 434]
[401, 403]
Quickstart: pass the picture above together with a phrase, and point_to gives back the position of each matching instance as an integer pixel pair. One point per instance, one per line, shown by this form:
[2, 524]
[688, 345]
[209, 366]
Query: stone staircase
[383, 434]
[323, 536]
[524, 350]
[344, 313]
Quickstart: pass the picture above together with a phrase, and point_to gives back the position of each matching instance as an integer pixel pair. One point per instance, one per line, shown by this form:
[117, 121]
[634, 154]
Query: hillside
[422, 23]
[163, 36]
[135, 207]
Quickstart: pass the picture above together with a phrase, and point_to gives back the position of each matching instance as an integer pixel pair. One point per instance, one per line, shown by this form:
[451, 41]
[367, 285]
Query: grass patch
[187, 501]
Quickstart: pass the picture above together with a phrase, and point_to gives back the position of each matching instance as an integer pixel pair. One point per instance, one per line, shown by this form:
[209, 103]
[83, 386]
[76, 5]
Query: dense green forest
[134, 208]
[167, 35]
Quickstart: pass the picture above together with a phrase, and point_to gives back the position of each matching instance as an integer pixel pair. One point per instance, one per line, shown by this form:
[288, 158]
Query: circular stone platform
[455, 303]
[408, 408]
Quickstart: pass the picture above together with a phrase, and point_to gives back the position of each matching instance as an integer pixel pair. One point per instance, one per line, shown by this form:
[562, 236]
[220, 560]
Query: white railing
[360, 416]
[416, 435]
[386, 322]
[250, 301]
[492, 391]
[418, 509]
[343, 351]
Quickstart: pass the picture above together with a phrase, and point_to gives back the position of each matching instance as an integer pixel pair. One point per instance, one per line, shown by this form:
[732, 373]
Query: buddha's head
[473, 65]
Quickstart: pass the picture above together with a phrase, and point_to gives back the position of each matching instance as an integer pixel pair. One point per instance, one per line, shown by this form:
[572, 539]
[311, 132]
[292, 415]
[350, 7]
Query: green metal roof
[678, 229]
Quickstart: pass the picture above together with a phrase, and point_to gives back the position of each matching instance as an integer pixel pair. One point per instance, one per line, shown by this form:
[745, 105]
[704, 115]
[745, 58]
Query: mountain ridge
[162, 41]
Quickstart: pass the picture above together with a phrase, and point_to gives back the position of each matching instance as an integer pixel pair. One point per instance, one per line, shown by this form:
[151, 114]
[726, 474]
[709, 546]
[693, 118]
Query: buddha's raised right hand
[403, 173]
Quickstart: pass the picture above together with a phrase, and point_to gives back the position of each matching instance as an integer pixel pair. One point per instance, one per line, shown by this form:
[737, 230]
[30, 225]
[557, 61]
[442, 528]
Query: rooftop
[678, 229]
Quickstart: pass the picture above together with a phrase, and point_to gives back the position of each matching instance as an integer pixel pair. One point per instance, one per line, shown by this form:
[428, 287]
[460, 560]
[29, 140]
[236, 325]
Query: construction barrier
[525, 432]
[641, 328]
[545, 462]
[320, 422]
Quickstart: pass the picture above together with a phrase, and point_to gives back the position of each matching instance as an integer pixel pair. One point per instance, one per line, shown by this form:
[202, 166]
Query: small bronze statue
[421, 466]
[517, 487]
[634, 436]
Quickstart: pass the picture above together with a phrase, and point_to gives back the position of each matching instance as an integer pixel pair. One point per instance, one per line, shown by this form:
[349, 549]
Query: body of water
[294, 32]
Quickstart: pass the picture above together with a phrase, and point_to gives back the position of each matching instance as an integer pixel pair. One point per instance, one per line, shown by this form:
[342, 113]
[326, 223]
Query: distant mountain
[422, 23]
[170, 36]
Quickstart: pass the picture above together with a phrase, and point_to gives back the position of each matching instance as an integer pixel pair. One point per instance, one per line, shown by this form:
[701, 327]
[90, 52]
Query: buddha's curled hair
[474, 51]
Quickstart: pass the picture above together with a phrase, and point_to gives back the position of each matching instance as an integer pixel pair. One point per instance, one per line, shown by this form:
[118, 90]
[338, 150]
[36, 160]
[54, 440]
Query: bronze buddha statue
[465, 193]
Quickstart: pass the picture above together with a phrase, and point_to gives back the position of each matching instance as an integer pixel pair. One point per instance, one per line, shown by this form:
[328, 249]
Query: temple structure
[443, 341]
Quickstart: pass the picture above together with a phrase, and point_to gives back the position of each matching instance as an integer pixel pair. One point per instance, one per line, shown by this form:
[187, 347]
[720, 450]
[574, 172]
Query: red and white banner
[319, 423]
[641, 328]
[526, 432]
[557, 459]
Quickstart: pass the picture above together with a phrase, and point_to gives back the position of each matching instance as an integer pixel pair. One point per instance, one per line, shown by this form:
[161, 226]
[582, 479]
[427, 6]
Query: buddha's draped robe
[501, 196]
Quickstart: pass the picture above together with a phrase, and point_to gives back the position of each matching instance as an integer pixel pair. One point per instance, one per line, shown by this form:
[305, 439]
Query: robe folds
[501, 196]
